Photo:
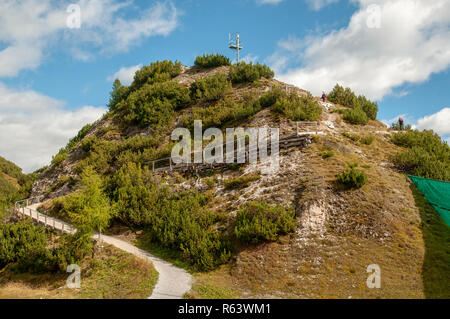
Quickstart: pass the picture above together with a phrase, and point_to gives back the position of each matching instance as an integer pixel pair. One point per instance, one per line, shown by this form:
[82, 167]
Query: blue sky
[54, 79]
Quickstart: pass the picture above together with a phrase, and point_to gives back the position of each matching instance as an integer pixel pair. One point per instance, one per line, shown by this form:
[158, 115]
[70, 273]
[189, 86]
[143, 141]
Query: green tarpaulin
[437, 194]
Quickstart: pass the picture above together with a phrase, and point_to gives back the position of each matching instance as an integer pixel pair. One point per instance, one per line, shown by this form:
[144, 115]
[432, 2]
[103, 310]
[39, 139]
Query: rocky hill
[339, 231]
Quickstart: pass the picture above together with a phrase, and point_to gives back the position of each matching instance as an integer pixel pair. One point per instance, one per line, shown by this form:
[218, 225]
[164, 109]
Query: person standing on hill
[324, 97]
[400, 123]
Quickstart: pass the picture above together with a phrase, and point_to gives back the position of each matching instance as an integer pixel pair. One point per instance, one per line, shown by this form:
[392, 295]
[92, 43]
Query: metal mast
[235, 44]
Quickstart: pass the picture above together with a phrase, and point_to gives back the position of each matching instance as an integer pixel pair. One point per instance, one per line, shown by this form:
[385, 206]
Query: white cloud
[248, 58]
[268, 1]
[125, 74]
[29, 28]
[438, 122]
[407, 120]
[319, 4]
[412, 43]
[313, 4]
[33, 127]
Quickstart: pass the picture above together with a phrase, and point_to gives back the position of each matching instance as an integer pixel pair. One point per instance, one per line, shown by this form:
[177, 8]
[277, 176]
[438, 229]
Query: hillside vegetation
[14, 185]
[309, 230]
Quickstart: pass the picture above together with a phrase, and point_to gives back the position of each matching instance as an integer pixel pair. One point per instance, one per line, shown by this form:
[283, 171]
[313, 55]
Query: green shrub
[352, 177]
[271, 97]
[21, 243]
[369, 107]
[26, 246]
[225, 112]
[326, 154]
[241, 181]
[353, 137]
[154, 104]
[396, 127]
[60, 157]
[212, 88]
[81, 134]
[427, 155]
[260, 222]
[298, 108]
[159, 71]
[212, 61]
[249, 72]
[346, 97]
[367, 140]
[118, 93]
[176, 221]
[89, 209]
[136, 193]
[356, 116]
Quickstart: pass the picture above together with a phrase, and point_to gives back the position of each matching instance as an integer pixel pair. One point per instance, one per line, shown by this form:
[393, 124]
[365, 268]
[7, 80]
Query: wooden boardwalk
[166, 165]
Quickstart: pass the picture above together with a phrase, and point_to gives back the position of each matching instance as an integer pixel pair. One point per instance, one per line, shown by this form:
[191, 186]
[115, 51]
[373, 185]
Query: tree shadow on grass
[436, 235]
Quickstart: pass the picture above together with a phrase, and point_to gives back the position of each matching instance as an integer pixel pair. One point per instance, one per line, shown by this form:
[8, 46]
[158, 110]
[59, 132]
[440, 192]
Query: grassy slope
[414, 256]
[10, 174]
[112, 274]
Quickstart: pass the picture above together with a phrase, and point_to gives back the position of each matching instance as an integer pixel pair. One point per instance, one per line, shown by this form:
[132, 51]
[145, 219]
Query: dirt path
[173, 282]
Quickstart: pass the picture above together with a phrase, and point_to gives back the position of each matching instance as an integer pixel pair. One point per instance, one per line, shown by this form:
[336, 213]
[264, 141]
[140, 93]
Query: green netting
[437, 194]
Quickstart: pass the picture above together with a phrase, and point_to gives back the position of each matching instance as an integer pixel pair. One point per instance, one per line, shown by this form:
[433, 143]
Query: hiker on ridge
[400, 123]
[324, 97]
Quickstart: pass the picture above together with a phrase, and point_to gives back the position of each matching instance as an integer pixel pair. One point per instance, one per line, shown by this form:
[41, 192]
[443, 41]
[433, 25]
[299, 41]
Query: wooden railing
[295, 140]
[22, 208]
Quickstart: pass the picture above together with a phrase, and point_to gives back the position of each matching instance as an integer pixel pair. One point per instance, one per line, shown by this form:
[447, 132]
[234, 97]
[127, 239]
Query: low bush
[21, 242]
[241, 181]
[212, 61]
[396, 127]
[369, 107]
[225, 112]
[367, 140]
[271, 97]
[155, 104]
[60, 157]
[353, 137]
[352, 177]
[212, 88]
[427, 155]
[25, 245]
[176, 221]
[258, 222]
[298, 108]
[346, 97]
[356, 116]
[326, 154]
[249, 72]
[159, 71]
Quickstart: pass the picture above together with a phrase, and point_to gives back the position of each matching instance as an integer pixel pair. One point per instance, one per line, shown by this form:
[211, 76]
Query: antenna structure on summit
[235, 44]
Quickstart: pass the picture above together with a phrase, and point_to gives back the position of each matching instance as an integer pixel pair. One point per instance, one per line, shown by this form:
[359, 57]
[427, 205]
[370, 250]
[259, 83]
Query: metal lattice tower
[235, 44]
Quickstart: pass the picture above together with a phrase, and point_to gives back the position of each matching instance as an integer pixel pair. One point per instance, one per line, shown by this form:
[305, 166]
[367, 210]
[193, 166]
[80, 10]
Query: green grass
[240, 182]
[207, 291]
[436, 235]
[118, 275]
[175, 257]
[111, 274]
[326, 154]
